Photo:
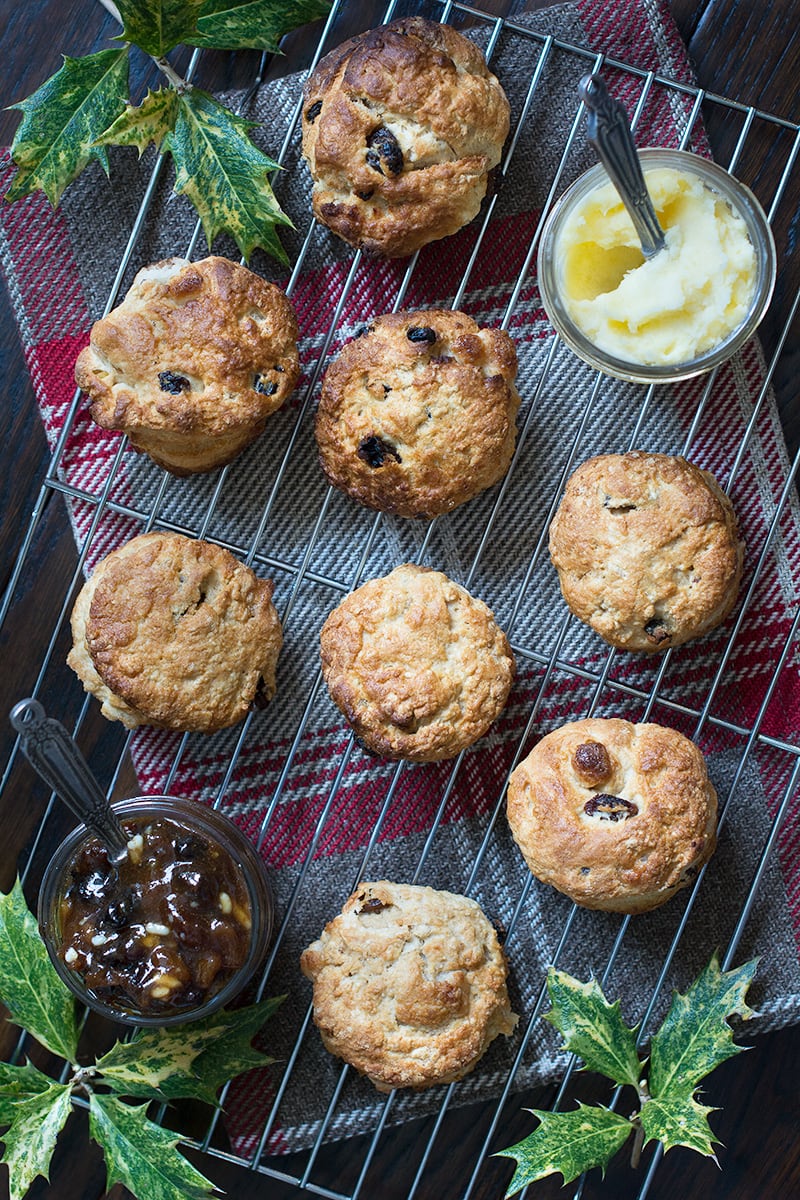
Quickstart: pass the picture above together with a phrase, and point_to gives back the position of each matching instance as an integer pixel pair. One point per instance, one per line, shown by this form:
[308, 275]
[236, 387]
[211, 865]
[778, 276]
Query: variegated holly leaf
[257, 24]
[224, 175]
[567, 1143]
[31, 1136]
[63, 119]
[695, 1036]
[156, 26]
[19, 1083]
[29, 986]
[679, 1121]
[592, 1028]
[141, 1155]
[141, 124]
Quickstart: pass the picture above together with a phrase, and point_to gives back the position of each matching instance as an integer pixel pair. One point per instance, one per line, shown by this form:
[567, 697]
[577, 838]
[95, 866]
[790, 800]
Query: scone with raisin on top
[401, 127]
[417, 415]
[192, 362]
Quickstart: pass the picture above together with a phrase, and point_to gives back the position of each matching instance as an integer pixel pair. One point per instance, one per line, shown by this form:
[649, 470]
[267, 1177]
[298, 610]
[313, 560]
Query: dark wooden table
[747, 52]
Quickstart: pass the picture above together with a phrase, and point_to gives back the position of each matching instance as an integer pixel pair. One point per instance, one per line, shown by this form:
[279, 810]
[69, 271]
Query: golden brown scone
[409, 985]
[416, 415]
[617, 816]
[177, 633]
[419, 667]
[647, 550]
[401, 127]
[192, 362]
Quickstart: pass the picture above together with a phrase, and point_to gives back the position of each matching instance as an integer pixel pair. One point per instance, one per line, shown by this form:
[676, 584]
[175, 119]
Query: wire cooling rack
[553, 661]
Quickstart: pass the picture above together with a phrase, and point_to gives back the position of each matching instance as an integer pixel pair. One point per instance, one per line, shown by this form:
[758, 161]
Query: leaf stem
[638, 1128]
[172, 75]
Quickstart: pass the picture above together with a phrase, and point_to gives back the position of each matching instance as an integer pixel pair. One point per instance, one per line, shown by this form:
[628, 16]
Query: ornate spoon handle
[56, 757]
[608, 131]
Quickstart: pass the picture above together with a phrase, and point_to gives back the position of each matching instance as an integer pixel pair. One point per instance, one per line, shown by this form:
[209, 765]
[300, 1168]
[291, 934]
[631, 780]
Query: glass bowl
[167, 933]
[552, 260]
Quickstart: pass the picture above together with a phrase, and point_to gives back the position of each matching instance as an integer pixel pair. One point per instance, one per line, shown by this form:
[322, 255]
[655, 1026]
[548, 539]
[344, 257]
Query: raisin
[657, 630]
[361, 330]
[610, 808]
[374, 451]
[591, 762]
[313, 111]
[386, 389]
[371, 904]
[618, 505]
[119, 912]
[188, 848]
[421, 333]
[172, 383]
[260, 699]
[442, 359]
[367, 194]
[383, 152]
[95, 886]
[264, 387]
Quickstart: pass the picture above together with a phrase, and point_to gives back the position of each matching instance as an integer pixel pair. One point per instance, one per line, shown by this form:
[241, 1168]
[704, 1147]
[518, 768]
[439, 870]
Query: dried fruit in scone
[401, 127]
[174, 632]
[409, 985]
[416, 415]
[417, 665]
[192, 362]
[615, 815]
[647, 550]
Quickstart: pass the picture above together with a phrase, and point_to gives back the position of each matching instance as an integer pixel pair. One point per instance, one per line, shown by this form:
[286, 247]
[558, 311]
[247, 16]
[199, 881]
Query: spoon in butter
[55, 756]
[608, 131]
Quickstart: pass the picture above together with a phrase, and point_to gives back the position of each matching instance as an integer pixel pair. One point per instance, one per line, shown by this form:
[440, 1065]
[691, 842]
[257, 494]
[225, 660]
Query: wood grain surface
[745, 51]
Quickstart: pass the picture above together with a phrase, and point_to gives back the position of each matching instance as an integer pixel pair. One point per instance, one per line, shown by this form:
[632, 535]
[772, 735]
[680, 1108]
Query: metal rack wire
[551, 656]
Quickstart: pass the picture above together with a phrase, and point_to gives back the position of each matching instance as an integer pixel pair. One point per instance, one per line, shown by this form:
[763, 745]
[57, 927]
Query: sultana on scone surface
[416, 415]
[647, 550]
[617, 816]
[416, 664]
[192, 362]
[177, 633]
[409, 985]
[401, 127]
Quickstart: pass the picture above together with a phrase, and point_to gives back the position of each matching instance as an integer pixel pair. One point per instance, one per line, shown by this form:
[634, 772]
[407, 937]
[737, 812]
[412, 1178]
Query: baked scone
[409, 985]
[617, 816]
[647, 550]
[416, 415]
[175, 632]
[416, 664]
[401, 127]
[192, 362]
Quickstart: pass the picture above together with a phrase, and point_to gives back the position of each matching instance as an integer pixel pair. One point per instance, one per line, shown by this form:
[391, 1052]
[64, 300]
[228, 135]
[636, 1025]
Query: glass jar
[189, 861]
[553, 253]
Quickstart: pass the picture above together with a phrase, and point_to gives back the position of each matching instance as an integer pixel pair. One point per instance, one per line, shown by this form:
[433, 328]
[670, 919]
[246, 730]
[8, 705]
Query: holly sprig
[694, 1038]
[77, 113]
[188, 1061]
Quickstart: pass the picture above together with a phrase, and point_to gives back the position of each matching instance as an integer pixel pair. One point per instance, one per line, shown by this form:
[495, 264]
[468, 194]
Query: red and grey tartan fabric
[328, 814]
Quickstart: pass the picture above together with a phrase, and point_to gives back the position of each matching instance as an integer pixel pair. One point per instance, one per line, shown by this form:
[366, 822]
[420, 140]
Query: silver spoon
[607, 129]
[55, 756]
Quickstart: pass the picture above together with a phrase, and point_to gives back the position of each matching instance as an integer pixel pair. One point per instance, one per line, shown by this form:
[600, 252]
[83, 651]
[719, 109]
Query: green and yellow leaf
[19, 1083]
[141, 124]
[224, 175]
[156, 26]
[141, 1155]
[31, 1136]
[695, 1036]
[29, 986]
[679, 1121]
[254, 24]
[63, 119]
[567, 1143]
[592, 1028]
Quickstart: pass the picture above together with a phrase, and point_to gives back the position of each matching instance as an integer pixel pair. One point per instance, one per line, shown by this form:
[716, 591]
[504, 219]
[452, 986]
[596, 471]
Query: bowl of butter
[680, 312]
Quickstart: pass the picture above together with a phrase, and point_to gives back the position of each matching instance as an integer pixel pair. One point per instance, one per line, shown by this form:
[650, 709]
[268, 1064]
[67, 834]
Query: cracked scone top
[416, 664]
[416, 415]
[647, 550]
[409, 985]
[401, 127]
[615, 815]
[174, 632]
[192, 362]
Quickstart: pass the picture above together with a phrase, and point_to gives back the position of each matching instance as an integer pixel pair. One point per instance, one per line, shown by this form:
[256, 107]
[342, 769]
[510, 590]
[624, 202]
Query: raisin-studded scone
[617, 816]
[647, 550]
[177, 633]
[409, 985]
[192, 362]
[417, 414]
[401, 127]
[417, 665]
